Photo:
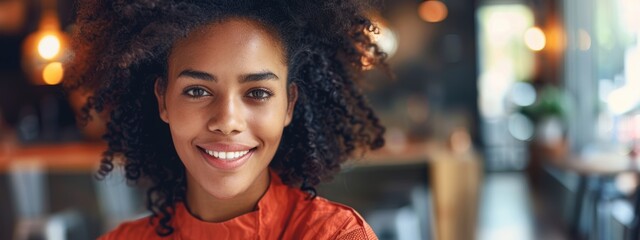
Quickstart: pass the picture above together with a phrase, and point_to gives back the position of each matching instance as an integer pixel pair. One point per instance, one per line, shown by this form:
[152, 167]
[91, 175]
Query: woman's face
[226, 104]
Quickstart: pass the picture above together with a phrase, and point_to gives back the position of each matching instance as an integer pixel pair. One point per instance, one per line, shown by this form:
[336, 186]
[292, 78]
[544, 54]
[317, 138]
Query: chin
[227, 192]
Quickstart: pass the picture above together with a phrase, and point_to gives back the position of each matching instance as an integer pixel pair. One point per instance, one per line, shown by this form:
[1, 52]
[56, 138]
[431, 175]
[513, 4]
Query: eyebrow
[251, 77]
[260, 76]
[198, 75]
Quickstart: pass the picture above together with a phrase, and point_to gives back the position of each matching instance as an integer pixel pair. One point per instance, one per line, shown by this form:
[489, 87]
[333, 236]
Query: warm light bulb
[49, 46]
[534, 39]
[432, 11]
[52, 73]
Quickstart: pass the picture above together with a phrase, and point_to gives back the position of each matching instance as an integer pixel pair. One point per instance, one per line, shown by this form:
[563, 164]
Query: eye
[260, 94]
[196, 92]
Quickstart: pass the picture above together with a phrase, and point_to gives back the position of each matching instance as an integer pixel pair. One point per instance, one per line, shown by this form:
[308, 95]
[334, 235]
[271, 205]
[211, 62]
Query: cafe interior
[505, 119]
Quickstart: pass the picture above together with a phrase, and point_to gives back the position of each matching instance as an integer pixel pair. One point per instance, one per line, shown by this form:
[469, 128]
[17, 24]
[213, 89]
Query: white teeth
[226, 155]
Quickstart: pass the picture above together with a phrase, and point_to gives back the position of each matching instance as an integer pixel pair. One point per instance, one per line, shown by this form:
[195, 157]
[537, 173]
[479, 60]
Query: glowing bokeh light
[523, 94]
[520, 127]
[384, 38]
[52, 73]
[622, 100]
[584, 40]
[433, 11]
[49, 46]
[535, 39]
[387, 41]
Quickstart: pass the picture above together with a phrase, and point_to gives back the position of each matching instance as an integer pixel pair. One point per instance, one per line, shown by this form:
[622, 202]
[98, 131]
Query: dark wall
[441, 70]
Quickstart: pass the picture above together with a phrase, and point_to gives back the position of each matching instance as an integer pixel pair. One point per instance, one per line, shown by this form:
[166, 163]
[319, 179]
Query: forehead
[233, 42]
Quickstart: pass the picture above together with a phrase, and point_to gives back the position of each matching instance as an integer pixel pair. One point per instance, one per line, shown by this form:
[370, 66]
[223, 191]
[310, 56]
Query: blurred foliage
[551, 102]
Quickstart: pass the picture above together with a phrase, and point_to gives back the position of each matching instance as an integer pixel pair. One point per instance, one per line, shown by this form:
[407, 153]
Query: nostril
[223, 132]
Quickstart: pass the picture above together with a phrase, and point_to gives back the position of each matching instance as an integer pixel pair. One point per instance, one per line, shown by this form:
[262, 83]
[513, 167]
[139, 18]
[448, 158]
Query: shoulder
[320, 218]
[317, 218]
[137, 229]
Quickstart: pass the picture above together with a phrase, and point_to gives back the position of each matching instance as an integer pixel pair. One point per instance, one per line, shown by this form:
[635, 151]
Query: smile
[228, 160]
[227, 155]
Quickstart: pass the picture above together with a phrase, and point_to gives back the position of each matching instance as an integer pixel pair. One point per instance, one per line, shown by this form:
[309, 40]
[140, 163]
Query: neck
[208, 208]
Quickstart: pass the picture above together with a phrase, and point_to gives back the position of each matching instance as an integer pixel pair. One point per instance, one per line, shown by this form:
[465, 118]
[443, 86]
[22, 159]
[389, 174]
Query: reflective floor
[508, 210]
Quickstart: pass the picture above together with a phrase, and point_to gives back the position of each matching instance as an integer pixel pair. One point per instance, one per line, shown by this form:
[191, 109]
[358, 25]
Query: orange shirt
[282, 213]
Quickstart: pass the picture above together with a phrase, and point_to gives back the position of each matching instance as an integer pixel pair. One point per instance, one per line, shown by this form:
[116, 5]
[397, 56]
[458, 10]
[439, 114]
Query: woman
[233, 110]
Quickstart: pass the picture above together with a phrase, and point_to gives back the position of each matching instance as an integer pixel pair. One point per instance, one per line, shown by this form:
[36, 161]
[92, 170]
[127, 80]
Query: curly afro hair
[121, 48]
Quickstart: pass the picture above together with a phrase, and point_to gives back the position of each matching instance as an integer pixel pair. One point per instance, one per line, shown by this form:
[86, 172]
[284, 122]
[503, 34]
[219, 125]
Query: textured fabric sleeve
[358, 234]
[355, 228]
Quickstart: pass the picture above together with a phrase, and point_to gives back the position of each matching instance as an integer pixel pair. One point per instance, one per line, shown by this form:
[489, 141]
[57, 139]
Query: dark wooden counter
[53, 157]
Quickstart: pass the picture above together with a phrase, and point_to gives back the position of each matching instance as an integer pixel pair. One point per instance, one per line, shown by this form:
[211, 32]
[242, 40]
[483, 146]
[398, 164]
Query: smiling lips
[229, 156]
[226, 156]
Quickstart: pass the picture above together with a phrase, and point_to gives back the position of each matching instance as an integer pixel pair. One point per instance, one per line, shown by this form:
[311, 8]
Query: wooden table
[598, 164]
[53, 157]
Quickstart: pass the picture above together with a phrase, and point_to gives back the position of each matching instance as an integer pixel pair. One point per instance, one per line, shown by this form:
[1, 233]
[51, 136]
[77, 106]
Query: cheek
[185, 124]
[268, 123]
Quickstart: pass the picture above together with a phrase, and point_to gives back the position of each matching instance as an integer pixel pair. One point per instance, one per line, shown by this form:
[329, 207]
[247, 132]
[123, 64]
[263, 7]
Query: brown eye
[260, 94]
[196, 92]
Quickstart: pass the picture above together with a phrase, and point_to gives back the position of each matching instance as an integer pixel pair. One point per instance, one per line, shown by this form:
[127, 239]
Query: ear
[292, 99]
[160, 96]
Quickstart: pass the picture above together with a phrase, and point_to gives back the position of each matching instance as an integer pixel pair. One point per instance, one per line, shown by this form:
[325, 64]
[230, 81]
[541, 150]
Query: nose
[227, 117]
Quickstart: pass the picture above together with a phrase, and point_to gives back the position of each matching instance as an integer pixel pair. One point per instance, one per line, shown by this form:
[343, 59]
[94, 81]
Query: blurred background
[508, 119]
